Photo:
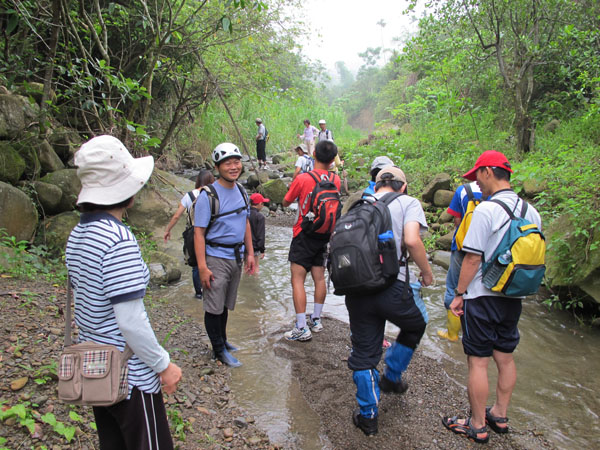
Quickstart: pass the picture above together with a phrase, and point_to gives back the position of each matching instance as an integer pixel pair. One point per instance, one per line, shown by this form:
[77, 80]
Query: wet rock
[240, 422]
[441, 258]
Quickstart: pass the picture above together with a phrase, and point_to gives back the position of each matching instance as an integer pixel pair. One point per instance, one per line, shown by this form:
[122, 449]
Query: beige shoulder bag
[90, 373]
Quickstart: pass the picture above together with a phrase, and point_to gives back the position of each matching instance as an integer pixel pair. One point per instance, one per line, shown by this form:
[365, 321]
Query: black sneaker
[387, 385]
[368, 426]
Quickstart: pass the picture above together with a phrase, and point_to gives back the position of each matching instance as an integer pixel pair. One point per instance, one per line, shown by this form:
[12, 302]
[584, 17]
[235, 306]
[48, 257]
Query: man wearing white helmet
[221, 237]
[324, 133]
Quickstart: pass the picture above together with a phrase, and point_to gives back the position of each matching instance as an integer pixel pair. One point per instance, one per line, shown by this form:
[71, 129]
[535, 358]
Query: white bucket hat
[108, 173]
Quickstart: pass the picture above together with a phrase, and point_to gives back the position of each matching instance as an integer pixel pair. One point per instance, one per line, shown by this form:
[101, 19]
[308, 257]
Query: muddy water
[557, 360]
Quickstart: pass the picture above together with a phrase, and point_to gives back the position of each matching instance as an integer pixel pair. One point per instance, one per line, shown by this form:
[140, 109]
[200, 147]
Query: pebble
[228, 432]
[19, 383]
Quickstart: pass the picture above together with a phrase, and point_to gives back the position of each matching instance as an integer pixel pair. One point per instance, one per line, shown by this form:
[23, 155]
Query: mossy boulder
[35, 91]
[274, 190]
[163, 268]
[564, 253]
[54, 231]
[19, 216]
[533, 186]
[17, 113]
[445, 242]
[12, 164]
[440, 181]
[442, 197]
[33, 167]
[278, 159]
[48, 197]
[49, 160]
[65, 143]
[253, 179]
[69, 184]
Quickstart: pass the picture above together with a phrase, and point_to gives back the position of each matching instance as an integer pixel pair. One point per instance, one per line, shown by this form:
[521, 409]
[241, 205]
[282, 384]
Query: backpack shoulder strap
[506, 208]
[213, 200]
[469, 192]
[389, 197]
[193, 199]
[524, 208]
[314, 176]
[243, 192]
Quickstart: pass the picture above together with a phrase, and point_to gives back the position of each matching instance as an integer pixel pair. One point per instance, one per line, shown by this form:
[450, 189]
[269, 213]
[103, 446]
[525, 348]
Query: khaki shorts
[223, 289]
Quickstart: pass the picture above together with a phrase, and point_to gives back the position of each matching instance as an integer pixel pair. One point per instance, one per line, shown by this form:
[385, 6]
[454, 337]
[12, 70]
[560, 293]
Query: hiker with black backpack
[376, 260]
[187, 205]
[318, 196]
[223, 242]
[493, 280]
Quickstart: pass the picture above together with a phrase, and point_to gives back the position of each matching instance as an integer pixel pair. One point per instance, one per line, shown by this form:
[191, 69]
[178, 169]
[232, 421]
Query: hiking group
[366, 252]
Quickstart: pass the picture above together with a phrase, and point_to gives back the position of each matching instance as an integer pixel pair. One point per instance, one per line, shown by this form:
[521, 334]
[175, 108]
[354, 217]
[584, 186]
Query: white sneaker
[298, 334]
[316, 326]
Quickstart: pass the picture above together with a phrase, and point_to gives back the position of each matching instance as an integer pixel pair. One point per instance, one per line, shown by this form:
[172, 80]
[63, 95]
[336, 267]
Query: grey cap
[380, 162]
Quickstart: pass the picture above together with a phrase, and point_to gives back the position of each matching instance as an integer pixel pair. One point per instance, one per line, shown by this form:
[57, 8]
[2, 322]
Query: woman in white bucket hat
[109, 279]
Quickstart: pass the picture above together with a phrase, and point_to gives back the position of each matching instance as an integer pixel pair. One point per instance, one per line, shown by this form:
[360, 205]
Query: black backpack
[324, 206]
[189, 253]
[362, 249]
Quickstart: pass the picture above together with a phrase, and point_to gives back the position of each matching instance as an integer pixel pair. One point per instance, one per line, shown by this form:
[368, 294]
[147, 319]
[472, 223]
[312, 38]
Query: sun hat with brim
[303, 148]
[258, 120]
[108, 173]
[489, 158]
[396, 174]
[257, 198]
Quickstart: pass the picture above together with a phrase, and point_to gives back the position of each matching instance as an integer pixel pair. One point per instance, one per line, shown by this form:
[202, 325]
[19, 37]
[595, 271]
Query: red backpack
[324, 206]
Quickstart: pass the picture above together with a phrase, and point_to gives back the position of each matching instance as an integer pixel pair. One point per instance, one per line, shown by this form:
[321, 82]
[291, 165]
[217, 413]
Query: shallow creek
[557, 360]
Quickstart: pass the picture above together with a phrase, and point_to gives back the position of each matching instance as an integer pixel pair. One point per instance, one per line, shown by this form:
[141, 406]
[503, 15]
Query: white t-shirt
[186, 201]
[305, 163]
[488, 226]
[403, 210]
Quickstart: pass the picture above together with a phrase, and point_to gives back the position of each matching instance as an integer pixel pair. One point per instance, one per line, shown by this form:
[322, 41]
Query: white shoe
[298, 334]
[316, 326]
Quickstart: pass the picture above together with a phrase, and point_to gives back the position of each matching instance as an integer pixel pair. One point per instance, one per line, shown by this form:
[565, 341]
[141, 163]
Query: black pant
[261, 150]
[216, 328]
[368, 314]
[139, 423]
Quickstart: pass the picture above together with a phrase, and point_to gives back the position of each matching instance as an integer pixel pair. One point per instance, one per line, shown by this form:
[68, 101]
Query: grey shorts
[223, 289]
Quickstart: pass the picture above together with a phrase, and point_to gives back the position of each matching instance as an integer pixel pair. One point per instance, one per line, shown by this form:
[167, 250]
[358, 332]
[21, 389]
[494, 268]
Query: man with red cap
[257, 225]
[489, 319]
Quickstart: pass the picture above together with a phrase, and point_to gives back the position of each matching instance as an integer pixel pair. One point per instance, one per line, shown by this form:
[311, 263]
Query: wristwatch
[458, 294]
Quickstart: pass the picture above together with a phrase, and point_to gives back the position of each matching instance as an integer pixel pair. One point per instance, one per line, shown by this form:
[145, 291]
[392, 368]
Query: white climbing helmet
[380, 162]
[224, 151]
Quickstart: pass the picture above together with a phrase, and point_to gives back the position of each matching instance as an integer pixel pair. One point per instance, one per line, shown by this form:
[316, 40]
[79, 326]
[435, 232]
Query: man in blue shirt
[220, 240]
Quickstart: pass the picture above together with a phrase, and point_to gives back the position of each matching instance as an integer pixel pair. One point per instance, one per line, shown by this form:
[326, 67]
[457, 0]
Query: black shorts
[490, 323]
[261, 150]
[307, 252]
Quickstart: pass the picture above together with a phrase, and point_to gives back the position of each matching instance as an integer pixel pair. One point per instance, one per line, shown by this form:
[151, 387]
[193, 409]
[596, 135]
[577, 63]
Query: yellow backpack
[466, 220]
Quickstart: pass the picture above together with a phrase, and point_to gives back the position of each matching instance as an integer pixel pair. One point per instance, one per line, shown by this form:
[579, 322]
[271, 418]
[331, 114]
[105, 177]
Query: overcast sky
[344, 28]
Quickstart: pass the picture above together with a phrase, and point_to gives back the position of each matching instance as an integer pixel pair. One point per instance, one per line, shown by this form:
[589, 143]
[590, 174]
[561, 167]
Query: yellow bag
[466, 220]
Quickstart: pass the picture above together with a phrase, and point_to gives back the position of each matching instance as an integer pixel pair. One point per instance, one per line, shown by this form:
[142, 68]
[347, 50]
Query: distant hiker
[187, 204]
[257, 225]
[309, 136]
[318, 188]
[324, 133]
[304, 163]
[401, 304]
[261, 143]
[378, 163]
[489, 318]
[465, 194]
[109, 280]
[222, 239]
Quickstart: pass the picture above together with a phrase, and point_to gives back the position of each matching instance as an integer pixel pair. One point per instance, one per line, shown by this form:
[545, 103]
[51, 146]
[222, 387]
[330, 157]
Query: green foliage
[67, 431]
[22, 260]
[178, 425]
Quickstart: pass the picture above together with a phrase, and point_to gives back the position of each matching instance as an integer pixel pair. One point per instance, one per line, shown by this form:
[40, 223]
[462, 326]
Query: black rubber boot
[368, 426]
[387, 385]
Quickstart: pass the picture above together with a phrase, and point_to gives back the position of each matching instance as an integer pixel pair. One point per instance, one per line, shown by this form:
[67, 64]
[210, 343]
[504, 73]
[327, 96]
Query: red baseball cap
[257, 198]
[489, 158]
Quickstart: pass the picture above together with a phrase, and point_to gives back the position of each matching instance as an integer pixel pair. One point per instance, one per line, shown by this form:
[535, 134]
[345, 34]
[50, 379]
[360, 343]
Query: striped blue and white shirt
[106, 267]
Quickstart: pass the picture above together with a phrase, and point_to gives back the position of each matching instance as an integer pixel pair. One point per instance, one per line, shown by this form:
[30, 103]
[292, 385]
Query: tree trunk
[50, 65]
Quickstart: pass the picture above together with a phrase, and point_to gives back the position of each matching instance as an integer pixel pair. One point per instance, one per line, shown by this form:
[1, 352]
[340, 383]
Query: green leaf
[74, 416]
[226, 23]
[49, 418]
[131, 128]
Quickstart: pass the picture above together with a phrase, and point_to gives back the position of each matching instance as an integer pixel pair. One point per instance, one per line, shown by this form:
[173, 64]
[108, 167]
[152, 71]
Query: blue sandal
[466, 429]
[493, 421]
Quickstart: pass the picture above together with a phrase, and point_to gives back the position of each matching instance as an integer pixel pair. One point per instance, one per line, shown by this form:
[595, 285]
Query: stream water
[557, 359]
